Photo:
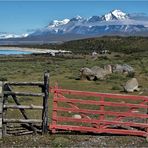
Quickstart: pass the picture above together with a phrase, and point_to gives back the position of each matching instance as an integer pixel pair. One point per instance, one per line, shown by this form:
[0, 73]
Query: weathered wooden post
[147, 122]
[1, 107]
[45, 89]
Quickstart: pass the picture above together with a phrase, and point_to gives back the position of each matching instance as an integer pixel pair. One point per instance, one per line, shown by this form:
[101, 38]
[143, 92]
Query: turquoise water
[13, 52]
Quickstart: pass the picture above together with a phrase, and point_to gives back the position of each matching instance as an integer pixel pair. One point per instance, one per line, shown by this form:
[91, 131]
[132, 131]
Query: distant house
[94, 54]
[52, 54]
[104, 52]
[58, 52]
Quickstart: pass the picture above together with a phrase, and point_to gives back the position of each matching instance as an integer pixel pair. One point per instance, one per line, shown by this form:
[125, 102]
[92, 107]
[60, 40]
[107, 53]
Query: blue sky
[21, 16]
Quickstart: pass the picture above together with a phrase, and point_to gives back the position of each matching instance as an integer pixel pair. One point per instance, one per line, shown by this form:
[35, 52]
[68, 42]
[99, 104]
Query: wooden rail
[24, 94]
[23, 107]
[22, 121]
[25, 83]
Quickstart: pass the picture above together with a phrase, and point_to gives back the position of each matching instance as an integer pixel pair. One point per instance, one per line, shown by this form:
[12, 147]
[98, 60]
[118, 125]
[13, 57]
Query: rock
[131, 85]
[95, 72]
[108, 68]
[87, 73]
[117, 68]
[123, 69]
[128, 68]
[98, 72]
[77, 116]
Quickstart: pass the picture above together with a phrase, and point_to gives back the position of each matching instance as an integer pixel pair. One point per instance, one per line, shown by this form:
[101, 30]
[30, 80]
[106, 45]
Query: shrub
[131, 74]
[3, 78]
[116, 87]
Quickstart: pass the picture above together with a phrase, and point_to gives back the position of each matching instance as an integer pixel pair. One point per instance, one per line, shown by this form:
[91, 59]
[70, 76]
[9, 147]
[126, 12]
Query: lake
[13, 52]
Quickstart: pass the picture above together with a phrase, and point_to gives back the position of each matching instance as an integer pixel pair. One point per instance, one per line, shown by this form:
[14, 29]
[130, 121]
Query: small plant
[117, 56]
[3, 79]
[131, 74]
[116, 76]
[60, 142]
[116, 87]
[103, 58]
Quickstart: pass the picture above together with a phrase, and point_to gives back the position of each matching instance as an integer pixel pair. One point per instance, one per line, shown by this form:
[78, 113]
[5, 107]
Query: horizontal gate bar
[95, 94]
[23, 107]
[22, 120]
[98, 130]
[95, 121]
[23, 93]
[25, 83]
[106, 103]
[87, 111]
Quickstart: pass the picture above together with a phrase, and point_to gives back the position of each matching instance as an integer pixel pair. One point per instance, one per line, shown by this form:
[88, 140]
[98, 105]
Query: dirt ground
[74, 140]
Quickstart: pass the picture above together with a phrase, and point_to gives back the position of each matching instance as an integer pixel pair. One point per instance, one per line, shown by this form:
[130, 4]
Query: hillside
[113, 44]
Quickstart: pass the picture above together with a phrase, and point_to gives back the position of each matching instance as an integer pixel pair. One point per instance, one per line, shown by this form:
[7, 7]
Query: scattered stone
[99, 73]
[125, 68]
[77, 116]
[87, 73]
[131, 85]
[140, 92]
[108, 68]
[95, 72]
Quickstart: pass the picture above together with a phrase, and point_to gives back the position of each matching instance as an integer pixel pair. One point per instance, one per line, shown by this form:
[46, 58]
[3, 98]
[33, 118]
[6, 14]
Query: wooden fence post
[45, 103]
[1, 108]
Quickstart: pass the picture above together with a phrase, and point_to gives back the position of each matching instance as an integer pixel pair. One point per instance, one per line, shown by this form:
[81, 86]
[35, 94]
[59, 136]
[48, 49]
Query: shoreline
[34, 50]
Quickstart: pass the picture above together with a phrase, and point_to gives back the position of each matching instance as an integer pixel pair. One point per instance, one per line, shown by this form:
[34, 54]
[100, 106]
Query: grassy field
[65, 71]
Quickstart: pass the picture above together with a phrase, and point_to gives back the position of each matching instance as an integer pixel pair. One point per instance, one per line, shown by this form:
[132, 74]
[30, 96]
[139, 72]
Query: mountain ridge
[116, 22]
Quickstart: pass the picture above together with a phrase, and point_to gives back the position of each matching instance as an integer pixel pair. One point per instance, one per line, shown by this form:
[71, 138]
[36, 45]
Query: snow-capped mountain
[114, 22]
[56, 23]
[115, 15]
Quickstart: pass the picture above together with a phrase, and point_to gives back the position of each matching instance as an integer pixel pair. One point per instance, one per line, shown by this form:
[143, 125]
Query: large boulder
[99, 72]
[117, 68]
[123, 69]
[131, 85]
[94, 73]
[108, 68]
[87, 73]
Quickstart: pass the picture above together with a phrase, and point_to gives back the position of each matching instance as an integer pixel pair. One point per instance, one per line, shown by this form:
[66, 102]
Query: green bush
[60, 142]
[3, 78]
[116, 87]
[116, 76]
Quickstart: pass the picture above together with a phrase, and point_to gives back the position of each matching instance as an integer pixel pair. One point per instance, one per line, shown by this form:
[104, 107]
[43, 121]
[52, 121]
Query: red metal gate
[99, 112]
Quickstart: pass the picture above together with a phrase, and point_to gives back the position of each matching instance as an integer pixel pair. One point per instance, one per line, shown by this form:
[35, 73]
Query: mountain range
[116, 22]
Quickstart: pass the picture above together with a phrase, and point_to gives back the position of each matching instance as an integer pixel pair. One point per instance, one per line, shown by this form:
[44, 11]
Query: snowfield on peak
[115, 15]
[56, 23]
[119, 14]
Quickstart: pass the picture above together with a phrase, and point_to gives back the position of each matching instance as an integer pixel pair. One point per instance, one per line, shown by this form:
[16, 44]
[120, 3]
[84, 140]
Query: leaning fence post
[45, 103]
